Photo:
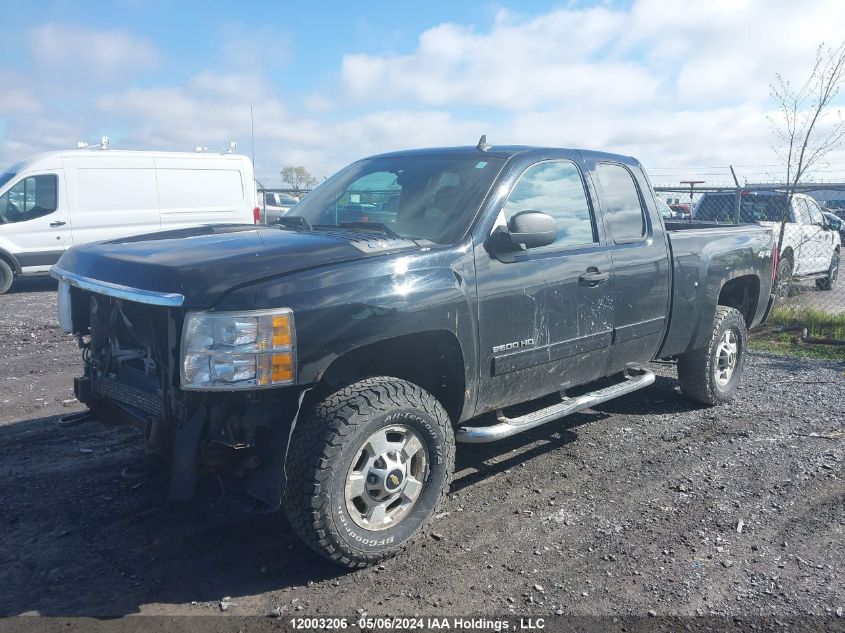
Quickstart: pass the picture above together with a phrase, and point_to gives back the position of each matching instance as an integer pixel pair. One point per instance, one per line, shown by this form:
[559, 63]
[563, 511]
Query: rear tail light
[775, 258]
[256, 215]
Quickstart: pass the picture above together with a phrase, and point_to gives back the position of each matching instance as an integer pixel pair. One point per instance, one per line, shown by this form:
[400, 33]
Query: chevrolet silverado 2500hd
[333, 360]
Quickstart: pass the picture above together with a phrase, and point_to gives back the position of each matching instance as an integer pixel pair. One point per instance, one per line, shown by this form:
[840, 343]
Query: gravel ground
[647, 504]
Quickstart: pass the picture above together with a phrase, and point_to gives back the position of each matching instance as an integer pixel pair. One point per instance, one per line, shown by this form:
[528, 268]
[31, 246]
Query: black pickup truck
[331, 362]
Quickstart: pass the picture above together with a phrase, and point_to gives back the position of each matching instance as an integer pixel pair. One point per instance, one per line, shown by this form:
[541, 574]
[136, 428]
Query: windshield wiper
[294, 222]
[379, 227]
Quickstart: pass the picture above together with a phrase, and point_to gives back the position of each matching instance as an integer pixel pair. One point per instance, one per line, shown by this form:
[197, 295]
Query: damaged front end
[134, 367]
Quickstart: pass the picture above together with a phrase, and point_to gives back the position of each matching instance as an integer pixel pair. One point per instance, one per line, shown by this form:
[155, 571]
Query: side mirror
[532, 229]
[526, 229]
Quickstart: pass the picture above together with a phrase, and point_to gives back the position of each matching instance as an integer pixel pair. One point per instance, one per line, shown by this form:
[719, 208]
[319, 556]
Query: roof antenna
[483, 145]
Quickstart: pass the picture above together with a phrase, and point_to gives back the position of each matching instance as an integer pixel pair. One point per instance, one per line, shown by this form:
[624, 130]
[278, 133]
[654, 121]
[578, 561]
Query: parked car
[810, 250]
[666, 210]
[50, 202]
[275, 204]
[683, 209]
[334, 363]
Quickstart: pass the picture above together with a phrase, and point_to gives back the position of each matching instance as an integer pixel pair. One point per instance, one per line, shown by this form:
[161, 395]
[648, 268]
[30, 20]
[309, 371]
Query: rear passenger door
[640, 285]
[805, 260]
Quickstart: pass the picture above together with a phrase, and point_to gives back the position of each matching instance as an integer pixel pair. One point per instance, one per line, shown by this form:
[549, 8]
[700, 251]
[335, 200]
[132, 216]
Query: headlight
[238, 350]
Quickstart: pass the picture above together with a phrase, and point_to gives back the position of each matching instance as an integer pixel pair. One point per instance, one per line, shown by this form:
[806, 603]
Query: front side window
[31, 198]
[555, 188]
[623, 212]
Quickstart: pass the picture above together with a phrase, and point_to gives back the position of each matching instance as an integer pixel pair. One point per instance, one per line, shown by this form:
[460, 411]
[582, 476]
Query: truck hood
[202, 263]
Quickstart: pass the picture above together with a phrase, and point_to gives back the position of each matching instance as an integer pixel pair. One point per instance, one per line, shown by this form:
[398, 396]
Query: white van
[51, 201]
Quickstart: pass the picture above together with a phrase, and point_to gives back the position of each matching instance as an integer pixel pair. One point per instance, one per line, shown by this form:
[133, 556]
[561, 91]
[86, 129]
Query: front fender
[340, 308]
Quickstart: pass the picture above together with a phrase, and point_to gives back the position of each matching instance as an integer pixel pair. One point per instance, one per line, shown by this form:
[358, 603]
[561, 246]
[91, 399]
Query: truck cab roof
[509, 151]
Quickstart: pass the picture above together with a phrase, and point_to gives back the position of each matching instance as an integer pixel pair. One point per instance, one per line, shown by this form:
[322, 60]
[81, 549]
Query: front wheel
[710, 375]
[7, 275]
[826, 283]
[367, 468]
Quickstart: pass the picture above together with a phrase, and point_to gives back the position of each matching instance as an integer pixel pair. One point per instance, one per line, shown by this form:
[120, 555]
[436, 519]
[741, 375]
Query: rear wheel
[7, 275]
[826, 283]
[710, 375]
[367, 468]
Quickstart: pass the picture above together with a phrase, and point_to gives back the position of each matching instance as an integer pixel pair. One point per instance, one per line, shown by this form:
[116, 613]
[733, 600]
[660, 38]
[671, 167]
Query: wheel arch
[432, 359]
[743, 294]
[11, 260]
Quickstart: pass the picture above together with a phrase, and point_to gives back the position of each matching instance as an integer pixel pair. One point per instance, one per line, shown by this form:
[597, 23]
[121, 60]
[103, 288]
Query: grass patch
[789, 345]
[819, 324]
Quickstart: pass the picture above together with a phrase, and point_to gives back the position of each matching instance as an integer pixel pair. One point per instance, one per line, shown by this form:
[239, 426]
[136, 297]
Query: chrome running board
[633, 380]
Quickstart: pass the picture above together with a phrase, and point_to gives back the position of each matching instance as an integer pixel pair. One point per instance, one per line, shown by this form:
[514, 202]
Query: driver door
[35, 224]
[545, 315]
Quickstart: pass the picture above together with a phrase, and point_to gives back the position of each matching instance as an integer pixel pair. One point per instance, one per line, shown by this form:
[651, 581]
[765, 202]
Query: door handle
[593, 277]
[57, 223]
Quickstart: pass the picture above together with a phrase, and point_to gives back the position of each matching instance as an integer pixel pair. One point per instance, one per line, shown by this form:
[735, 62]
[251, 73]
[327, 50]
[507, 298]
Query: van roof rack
[103, 144]
[211, 150]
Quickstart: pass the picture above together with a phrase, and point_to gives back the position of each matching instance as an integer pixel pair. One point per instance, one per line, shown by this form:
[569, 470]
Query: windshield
[665, 209]
[6, 177]
[417, 197]
[753, 208]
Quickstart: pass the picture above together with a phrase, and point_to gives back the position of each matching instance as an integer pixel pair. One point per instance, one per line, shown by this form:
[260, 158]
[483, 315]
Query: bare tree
[800, 140]
[802, 136]
[299, 178]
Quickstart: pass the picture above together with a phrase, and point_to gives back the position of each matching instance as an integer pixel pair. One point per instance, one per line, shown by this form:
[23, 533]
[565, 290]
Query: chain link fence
[809, 223]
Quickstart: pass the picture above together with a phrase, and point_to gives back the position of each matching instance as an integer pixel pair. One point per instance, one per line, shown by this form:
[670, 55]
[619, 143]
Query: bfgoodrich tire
[6, 276]
[710, 375]
[367, 468]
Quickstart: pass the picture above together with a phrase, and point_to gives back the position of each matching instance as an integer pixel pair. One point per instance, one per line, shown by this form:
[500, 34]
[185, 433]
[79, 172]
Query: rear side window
[555, 188]
[31, 198]
[802, 213]
[816, 216]
[623, 211]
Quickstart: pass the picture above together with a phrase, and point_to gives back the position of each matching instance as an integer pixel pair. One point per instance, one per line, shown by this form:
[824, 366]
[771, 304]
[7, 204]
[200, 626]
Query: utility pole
[692, 184]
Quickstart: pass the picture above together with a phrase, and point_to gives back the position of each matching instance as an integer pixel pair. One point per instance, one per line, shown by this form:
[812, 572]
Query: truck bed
[703, 256]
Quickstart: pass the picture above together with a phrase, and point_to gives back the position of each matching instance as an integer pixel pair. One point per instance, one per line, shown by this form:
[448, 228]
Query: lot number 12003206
[327, 624]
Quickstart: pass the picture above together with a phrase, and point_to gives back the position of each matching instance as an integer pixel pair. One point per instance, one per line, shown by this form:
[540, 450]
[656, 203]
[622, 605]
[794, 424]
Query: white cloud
[520, 64]
[88, 53]
[210, 111]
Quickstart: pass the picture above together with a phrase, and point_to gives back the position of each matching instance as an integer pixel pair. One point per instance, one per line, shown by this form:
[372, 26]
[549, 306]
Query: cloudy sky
[682, 85]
